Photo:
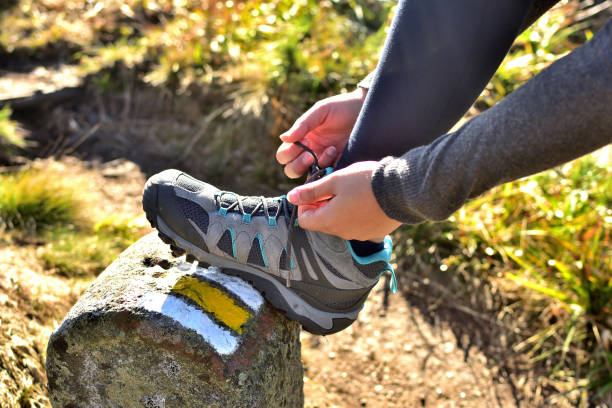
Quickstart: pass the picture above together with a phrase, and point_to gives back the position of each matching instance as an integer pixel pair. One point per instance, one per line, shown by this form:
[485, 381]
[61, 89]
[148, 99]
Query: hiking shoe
[314, 278]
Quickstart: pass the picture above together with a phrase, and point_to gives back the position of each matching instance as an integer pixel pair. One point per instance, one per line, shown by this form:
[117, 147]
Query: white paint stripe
[221, 339]
[245, 292]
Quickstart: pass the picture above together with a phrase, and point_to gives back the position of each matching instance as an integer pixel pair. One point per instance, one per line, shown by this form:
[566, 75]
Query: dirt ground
[397, 359]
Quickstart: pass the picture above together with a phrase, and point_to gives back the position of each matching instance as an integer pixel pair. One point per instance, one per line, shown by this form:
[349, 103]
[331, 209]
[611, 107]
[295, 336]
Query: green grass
[83, 252]
[44, 202]
[34, 200]
[314, 46]
[11, 136]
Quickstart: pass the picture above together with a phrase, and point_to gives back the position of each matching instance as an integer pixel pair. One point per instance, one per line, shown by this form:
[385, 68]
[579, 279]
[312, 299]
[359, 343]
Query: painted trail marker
[153, 331]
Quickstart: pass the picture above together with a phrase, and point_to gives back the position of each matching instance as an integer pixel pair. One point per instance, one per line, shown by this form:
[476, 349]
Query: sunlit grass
[85, 252]
[34, 200]
[51, 203]
[11, 136]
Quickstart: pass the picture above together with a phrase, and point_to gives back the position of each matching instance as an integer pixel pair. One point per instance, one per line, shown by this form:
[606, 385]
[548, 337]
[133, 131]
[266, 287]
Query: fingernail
[293, 196]
[331, 151]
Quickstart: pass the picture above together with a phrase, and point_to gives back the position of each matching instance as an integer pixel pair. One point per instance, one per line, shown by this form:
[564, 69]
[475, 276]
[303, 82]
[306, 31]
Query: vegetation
[11, 137]
[47, 203]
[34, 200]
[545, 240]
[87, 252]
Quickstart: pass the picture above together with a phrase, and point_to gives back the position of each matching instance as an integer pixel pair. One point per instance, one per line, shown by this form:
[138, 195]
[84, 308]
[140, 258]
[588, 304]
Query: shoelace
[261, 205]
[314, 173]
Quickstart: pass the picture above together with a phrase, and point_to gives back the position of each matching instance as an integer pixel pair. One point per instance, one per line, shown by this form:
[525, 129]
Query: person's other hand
[325, 128]
[343, 204]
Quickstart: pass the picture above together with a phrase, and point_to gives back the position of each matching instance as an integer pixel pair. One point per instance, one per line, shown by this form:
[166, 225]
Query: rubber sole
[282, 298]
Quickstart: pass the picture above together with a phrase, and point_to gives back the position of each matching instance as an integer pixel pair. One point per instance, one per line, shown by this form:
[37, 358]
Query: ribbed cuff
[393, 187]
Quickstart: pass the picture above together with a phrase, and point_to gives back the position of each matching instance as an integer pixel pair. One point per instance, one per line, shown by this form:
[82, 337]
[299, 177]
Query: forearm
[561, 114]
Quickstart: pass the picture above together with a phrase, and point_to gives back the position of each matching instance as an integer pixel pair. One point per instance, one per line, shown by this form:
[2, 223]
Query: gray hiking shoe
[312, 277]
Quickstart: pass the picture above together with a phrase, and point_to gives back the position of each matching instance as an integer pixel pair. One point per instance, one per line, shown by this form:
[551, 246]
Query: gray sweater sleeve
[561, 114]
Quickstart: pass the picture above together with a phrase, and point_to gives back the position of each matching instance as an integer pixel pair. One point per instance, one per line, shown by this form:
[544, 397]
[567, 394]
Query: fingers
[299, 166]
[311, 193]
[305, 123]
[315, 217]
[328, 158]
[287, 152]
[302, 163]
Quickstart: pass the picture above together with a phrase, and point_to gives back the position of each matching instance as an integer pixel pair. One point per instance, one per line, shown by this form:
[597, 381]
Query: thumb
[307, 122]
[310, 193]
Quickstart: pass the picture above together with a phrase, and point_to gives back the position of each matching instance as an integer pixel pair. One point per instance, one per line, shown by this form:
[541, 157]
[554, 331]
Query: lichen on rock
[154, 331]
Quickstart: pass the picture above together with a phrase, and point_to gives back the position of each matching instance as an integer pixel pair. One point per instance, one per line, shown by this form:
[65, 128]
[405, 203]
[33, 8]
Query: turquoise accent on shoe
[296, 223]
[222, 211]
[291, 264]
[382, 255]
[329, 170]
[393, 283]
[233, 234]
[261, 248]
[272, 222]
[246, 217]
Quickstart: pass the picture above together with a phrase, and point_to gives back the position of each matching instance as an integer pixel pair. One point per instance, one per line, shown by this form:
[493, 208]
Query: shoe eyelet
[272, 222]
[246, 218]
[222, 211]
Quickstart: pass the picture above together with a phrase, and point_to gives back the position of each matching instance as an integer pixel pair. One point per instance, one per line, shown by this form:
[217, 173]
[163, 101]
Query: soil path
[396, 359]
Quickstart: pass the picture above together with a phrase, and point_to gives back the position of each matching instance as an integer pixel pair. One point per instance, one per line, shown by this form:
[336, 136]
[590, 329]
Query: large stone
[155, 331]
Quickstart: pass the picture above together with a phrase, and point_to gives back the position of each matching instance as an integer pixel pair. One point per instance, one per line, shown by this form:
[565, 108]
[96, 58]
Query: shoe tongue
[249, 204]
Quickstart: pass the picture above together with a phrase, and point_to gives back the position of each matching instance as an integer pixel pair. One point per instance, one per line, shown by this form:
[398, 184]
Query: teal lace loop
[393, 283]
[262, 205]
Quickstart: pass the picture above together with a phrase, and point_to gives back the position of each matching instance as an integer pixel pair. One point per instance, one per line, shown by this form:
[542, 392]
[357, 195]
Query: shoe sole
[282, 298]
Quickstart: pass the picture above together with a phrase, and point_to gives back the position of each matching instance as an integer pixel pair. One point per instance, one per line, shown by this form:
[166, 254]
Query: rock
[155, 331]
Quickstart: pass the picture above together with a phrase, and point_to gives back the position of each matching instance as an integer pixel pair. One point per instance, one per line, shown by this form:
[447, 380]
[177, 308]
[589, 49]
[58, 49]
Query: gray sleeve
[559, 115]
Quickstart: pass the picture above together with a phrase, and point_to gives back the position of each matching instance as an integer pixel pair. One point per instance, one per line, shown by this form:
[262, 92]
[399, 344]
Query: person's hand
[343, 204]
[325, 128]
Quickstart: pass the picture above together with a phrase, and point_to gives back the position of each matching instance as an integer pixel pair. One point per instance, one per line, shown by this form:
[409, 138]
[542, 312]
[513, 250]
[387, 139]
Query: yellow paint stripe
[214, 301]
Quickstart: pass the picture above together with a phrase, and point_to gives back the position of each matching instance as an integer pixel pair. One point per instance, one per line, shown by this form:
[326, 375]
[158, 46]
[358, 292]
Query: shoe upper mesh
[255, 256]
[372, 270]
[188, 184]
[226, 244]
[195, 213]
[330, 267]
[284, 261]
